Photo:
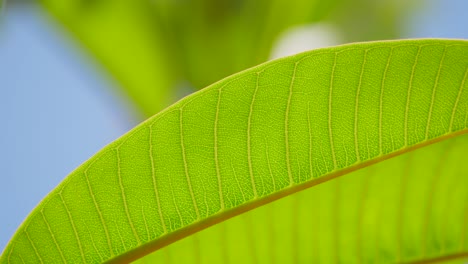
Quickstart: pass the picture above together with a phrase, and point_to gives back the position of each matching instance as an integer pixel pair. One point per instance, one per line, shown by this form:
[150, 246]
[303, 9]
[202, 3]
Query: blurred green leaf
[364, 20]
[123, 36]
[218, 38]
[152, 47]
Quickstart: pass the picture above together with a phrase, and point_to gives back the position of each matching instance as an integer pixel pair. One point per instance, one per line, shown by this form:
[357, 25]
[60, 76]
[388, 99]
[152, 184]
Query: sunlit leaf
[257, 136]
[399, 210]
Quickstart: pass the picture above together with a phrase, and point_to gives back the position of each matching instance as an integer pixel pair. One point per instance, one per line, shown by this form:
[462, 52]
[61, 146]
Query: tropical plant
[266, 133]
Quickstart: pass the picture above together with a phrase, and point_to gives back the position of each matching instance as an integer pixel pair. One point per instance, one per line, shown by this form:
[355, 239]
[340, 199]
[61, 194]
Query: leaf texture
[406, 209]
[247, 140]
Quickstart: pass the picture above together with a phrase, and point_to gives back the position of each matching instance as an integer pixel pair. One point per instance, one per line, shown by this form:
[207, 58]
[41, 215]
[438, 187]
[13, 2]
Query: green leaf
[123, 37]
[394, 211]
[215, 39]
[258, 136]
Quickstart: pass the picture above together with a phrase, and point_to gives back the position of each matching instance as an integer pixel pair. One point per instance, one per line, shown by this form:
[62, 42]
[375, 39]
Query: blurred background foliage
[159, 50]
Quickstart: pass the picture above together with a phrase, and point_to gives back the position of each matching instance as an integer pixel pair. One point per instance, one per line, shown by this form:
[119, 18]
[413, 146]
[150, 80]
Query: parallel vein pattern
[289, 231]
[262, 133]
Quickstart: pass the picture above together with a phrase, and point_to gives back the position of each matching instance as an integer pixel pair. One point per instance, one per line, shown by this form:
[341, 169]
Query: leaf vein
[74, 227]
[330, 133]
[356, 109]
[311, 171]
[286, 126]
[249, 138]
[218, 173]
[33, 246]
[457, 100]
[408, 95]
[53, 237]
[434, 89]
[124, 199]
[153, 177]
[101, 218]
[381, 100]
[192, 195]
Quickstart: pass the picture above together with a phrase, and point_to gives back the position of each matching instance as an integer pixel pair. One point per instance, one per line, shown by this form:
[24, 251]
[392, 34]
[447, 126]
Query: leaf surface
[247, 140]
[404, 209]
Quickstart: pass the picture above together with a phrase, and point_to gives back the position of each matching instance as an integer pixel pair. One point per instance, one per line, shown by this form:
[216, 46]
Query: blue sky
[58, 108]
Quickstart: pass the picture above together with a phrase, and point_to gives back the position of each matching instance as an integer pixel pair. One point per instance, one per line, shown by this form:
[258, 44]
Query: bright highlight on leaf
[252, 138]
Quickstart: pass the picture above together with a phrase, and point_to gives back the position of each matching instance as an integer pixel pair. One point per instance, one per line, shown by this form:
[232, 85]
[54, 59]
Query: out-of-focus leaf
[206, 40]
[123, 36]
[364, 20]
[218, 38]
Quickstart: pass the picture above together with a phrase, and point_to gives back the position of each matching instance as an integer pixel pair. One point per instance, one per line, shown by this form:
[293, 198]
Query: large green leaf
[255, 137]
[394, 211]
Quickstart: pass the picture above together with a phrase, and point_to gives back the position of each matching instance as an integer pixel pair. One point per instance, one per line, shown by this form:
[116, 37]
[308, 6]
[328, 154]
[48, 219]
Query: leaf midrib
[157, 244]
